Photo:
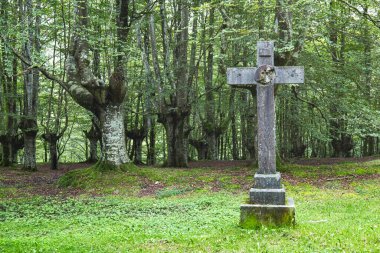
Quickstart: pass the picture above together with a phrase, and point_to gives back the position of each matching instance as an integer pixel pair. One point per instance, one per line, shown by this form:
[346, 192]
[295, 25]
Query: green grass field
[192, 210]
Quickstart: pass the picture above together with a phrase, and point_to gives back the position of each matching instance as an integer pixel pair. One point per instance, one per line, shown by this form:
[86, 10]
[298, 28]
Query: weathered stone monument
[267, 203]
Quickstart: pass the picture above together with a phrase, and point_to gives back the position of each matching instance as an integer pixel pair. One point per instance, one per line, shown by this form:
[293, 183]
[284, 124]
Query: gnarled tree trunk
[113, 135]
[201, 147]
[174, 124]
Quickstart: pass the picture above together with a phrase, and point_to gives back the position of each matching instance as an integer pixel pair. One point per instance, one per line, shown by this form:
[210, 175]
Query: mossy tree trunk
[52, 140]
[113, 135]
[10, 140]
[93, 135]
[201, 147]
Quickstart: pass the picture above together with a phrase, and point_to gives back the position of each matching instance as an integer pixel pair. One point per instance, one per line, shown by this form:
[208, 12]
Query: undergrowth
[342, 169]
[185, 214]
[327, 221]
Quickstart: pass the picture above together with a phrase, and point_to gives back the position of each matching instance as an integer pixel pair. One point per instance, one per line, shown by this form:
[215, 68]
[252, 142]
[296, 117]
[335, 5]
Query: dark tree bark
[173, 88]
[210, 126]
[235, 151]
[54, 131]
[369, 144]
[10, 139]
[293, 135]
[151, 157]
[138, 134]
[251, 122]
[201, 147]
[342, 142]
[94, 136]
[52, 139]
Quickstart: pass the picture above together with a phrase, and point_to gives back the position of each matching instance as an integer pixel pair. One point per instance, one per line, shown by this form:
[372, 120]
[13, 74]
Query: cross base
[268, 181]
[267, 196]
[257, 215]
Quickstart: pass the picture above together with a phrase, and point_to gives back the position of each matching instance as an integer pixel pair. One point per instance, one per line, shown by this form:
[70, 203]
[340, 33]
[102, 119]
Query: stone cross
[267, 189]
[264, 77]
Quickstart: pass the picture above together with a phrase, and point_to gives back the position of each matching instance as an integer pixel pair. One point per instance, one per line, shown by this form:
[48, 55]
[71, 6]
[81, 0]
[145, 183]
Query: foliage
[336, 41]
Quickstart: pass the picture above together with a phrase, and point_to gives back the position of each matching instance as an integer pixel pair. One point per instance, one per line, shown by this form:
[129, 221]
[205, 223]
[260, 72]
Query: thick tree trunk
[201, 147]
[251, 124]
[114, 151]
[52, 139]
[93, 135]
[53, 155]
[244, 129]
[30, 150]
[138, 151]
[210, 125]
[175, 139]
[7, 153]
[93, 150]
[211, 145]
[138, 136]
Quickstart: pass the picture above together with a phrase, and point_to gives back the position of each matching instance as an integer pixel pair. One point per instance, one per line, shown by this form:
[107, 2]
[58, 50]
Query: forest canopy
[145, 81]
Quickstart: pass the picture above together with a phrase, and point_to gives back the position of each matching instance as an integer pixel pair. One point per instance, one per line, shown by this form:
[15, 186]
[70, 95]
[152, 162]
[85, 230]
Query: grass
[130, 181]
[342, 169]
[185, 216]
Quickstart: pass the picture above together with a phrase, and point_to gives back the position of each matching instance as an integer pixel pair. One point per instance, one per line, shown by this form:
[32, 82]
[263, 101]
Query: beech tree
[103, 99]
[172, 56]
[173, 86]
[31, 49]
[10, 138]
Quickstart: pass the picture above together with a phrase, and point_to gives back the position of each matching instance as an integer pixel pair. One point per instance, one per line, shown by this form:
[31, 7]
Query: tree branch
[364, 14]
[81, 96]
[43, 70]
[309, 103]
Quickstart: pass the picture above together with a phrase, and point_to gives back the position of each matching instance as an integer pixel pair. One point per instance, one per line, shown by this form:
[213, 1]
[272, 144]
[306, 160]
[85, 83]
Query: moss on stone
[256, 216]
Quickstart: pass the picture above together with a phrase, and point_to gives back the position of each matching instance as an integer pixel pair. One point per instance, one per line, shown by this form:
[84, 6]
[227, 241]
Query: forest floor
[17, 183]
[144, 209]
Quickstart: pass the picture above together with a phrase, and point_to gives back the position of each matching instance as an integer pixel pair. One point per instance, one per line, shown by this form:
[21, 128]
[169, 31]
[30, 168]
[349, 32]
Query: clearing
[144, 209]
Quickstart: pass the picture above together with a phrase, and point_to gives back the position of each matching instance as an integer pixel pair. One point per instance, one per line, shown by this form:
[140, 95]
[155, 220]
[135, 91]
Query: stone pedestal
[267, 204]
[267, 181]
[257, 215]
[267, 196]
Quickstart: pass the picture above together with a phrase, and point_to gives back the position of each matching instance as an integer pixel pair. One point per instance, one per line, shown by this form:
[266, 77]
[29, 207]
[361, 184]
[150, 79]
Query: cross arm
[245, 77]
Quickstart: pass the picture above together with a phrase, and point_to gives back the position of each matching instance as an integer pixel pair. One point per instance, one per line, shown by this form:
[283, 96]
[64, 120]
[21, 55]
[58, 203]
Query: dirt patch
[150, 188]
[41, 182]
[21, 183]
